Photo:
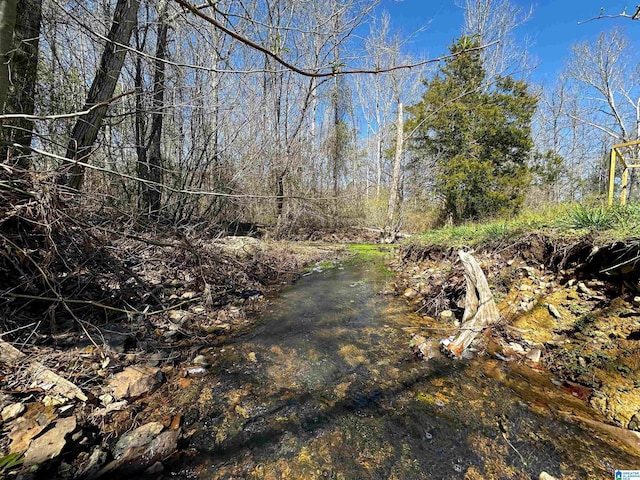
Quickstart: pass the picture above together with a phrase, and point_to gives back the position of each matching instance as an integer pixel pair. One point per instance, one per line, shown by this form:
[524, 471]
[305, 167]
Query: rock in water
[91, 463]
[417, 344]
[141, 449]
[634, 424]
[420, 347]
[410, 294]
[139, 437]
[582, 288]
[201, 361]
[534, 355]
[446, 315]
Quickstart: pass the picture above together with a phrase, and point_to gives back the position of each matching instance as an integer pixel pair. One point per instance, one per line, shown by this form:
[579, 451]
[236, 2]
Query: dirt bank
[569, 305]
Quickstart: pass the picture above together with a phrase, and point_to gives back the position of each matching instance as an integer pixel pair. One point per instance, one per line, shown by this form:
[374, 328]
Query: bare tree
[153, 169]
[7, 25]
[85, 131]
[377, 97]
[607, 81]
[604, 75]
[495, 21]
[567, 149]
[390, 227]
[24, 71]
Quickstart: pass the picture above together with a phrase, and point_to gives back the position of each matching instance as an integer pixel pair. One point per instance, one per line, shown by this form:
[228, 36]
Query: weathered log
[480, 309]
[9, 354]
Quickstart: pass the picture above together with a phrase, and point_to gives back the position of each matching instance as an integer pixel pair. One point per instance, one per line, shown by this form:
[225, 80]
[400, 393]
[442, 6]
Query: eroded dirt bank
[569, 306]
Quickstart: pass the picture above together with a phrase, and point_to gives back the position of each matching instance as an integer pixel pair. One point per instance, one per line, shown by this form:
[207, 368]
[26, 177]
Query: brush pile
[98, 310]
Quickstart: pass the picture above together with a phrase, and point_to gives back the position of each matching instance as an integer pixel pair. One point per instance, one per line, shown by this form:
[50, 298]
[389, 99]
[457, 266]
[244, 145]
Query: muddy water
[325, 387]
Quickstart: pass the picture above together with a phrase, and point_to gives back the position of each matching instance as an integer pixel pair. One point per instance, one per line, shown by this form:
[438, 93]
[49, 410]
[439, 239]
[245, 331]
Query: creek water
[325, 386]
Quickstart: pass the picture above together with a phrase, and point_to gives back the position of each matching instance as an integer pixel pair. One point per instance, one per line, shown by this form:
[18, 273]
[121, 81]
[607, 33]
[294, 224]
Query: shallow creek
[325, 386]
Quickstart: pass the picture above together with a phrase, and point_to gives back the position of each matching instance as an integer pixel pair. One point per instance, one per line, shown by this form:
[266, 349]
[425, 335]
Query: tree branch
[181, 190]
[624, 14]
[595, 125]
[14, 116]
[316, 74]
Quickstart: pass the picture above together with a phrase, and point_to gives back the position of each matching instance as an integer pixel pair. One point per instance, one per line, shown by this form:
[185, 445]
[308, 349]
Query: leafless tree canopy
[278, 113]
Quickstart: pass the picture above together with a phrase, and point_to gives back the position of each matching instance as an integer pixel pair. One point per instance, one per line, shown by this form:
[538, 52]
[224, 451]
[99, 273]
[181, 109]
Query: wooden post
[612, 175]
[625, 182]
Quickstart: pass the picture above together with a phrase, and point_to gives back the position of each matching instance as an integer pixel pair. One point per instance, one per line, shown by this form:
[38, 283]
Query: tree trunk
[24, 72]
[390, 232]
[280, 195]
[7, 25]
[85, 131]
[378, 163]
[153, 192]
[140, 129]
[480, 309]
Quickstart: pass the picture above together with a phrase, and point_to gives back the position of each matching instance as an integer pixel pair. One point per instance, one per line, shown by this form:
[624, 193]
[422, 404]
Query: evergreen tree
[477, 139]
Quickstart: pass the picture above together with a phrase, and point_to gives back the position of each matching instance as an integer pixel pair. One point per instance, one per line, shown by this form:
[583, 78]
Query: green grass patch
[11, 461]
[363, 252]
[368, 249]
[609, 223]
[593, 218]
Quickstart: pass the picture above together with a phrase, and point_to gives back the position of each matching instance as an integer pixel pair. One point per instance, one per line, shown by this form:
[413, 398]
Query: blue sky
[552, 29]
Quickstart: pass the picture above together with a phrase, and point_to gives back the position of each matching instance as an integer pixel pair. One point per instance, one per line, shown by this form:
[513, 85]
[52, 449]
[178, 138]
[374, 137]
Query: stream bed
[325, 386]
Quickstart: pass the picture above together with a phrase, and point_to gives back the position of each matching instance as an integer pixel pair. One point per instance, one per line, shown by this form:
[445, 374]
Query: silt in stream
[325, 386]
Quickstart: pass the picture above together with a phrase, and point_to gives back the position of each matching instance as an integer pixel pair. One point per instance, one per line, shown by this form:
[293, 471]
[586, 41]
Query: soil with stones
[119, 357]
[567, 305]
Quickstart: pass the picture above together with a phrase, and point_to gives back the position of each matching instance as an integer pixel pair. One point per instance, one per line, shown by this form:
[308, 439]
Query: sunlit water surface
[325, 386]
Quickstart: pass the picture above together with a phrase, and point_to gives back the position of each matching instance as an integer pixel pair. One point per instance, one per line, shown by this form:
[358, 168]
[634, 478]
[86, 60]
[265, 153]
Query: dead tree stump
[480, 309]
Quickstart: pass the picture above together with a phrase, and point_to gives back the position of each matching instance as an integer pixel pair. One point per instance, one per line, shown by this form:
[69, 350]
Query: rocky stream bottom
[322, 382]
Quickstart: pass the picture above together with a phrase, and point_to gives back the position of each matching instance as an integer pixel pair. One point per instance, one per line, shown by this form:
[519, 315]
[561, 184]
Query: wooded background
[272, 113]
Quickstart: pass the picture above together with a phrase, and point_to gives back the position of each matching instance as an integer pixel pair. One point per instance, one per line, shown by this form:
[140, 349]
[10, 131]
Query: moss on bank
[363, 253]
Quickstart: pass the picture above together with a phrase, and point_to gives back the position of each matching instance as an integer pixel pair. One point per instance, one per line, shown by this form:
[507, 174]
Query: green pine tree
[477, 138]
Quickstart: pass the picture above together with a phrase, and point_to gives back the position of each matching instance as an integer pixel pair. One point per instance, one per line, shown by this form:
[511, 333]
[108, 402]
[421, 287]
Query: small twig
[14, 189]
[148, 241]
[33, 332]
[621, 264]
[624, 14]
[107, 307]
[17, 329]
[504, 435]
[17, 116]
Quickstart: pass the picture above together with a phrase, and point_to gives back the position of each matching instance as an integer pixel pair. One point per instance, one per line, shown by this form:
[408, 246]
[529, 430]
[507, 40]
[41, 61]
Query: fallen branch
[480, 309]
[9, 354]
